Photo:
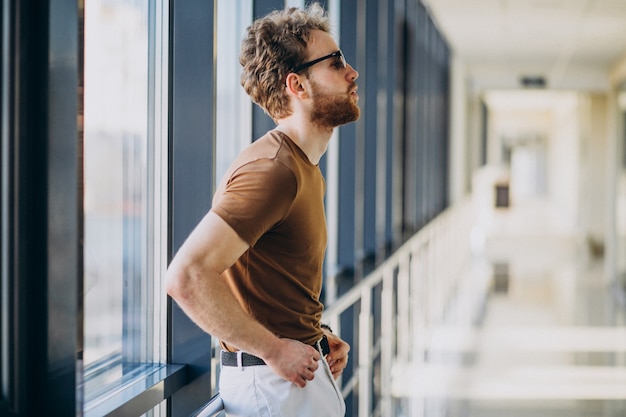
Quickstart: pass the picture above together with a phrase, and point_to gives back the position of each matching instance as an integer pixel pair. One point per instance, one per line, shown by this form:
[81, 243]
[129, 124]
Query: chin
[330, 113]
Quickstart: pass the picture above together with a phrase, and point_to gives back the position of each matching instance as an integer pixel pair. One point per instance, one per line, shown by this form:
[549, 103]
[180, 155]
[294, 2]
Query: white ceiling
[572, 43]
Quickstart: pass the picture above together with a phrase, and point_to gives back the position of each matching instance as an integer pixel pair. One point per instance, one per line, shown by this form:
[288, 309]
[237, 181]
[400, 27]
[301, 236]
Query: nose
[352, 74]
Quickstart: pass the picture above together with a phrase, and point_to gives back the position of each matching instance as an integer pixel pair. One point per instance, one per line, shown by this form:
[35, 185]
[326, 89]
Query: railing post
[365, 353]
[419, 300]
[404, 311]
[388, 329]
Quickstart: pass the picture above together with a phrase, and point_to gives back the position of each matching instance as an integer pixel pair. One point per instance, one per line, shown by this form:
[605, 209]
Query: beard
[333, 109]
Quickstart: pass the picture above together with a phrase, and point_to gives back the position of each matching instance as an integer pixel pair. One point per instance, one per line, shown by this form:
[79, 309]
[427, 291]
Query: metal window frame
[147, 381]
[191, 177]
[41, 196]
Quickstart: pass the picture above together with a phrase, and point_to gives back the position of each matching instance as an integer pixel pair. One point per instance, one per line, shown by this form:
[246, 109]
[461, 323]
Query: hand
[338, 357]
[294, 361]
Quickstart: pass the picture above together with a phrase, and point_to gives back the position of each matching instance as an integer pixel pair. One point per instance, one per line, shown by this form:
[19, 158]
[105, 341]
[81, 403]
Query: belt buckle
[324, 346]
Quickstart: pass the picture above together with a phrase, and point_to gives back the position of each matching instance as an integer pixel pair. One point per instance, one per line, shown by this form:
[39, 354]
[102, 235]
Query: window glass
[234, 108]
[124, 190]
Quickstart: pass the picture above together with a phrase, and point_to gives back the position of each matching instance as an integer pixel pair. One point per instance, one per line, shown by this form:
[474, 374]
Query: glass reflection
[115, 160]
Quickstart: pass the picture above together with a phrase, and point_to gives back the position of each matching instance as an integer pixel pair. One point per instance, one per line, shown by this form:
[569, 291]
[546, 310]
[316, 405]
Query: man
[250, 273]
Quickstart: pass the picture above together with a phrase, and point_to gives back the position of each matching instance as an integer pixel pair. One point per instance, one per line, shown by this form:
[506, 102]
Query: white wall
[563, 163]
[593, 162]
[459, 172]
[558, 142]
[615, 261]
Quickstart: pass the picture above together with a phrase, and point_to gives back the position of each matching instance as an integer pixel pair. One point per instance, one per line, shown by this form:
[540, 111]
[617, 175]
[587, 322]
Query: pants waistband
[244, 359]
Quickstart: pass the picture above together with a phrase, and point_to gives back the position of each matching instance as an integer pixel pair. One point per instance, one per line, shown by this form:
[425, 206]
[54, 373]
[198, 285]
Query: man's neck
[310, 139]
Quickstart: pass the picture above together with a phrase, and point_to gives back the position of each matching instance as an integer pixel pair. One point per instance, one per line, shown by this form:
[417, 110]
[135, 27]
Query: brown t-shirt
[273, 197]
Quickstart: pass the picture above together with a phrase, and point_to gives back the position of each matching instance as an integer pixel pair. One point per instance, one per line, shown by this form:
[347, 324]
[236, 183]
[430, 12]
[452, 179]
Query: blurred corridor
[548, 341]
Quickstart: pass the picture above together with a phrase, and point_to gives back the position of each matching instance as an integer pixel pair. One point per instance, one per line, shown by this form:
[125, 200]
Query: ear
[295, 85]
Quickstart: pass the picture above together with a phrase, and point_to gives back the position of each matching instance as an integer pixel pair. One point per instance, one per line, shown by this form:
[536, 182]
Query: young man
[250, 273]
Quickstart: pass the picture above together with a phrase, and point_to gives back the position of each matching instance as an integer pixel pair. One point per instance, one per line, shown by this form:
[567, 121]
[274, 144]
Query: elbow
[181, 281]
[175, 283]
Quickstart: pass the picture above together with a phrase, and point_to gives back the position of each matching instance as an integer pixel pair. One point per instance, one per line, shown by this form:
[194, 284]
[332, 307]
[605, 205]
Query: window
[234, 109]
[125, 186]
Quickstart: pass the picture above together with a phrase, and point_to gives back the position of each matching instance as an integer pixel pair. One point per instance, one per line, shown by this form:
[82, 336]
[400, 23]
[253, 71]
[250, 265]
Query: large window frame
[136, 378]
[191, 169]
[40, 204]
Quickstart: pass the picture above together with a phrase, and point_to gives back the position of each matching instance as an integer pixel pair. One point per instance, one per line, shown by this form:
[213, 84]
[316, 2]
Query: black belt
[230, 358]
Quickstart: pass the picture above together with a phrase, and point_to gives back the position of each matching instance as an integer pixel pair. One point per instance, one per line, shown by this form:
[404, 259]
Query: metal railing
[213, 408]
[413, 291]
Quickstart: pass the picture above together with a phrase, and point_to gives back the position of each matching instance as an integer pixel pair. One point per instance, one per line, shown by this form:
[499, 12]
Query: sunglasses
[337, 54]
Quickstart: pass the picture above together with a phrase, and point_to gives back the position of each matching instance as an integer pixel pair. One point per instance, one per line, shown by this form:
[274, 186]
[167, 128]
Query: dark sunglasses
[338, 54]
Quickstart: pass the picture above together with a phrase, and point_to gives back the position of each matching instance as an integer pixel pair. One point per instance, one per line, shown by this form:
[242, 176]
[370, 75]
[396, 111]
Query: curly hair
[273, 46]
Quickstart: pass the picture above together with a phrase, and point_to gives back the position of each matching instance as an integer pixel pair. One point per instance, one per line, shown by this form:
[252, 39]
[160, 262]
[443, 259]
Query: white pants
[256, 391]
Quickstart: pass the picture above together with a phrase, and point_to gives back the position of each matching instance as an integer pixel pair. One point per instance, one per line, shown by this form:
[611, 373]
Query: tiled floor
[551, 341]
[562, 341]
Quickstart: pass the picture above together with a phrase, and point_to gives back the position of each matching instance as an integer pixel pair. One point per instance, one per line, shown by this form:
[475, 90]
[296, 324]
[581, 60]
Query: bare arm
[193, 280]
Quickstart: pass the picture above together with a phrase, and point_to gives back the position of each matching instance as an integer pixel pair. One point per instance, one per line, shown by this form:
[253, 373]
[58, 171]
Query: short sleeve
[257, 196]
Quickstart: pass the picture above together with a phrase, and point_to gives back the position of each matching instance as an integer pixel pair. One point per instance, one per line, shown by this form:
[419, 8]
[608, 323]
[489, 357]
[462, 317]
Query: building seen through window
[124, 192]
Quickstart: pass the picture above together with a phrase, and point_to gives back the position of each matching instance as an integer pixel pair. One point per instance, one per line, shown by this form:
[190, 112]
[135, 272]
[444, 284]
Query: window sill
[139, 395]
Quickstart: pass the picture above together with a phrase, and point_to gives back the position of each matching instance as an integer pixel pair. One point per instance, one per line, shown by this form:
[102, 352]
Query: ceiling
[572, 43]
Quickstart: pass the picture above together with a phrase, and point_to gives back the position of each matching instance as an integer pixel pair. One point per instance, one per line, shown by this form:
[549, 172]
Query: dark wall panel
[40, 257]
[191, 169]
[347, 150]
